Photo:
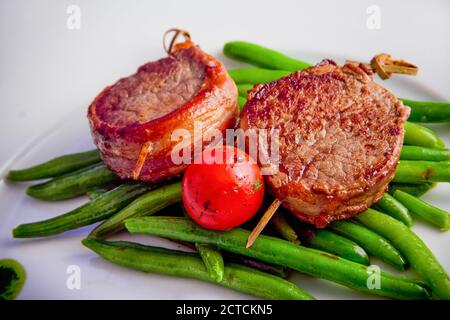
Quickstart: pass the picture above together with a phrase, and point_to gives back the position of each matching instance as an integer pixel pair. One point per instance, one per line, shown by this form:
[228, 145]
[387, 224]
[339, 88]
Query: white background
[48, 71]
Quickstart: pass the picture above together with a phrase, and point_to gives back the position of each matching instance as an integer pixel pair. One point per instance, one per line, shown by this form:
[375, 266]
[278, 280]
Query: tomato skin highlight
[221, 193]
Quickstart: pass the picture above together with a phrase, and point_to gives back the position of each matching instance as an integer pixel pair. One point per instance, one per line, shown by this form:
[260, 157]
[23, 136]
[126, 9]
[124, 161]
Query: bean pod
[428, 111]
[56, 167]
[418, 135]
[414, 189]
[389, 205]
[256, 75]
[432, 214]
[261, 56]
[422, 153]
[98, 209]
[73, 184]
[409, 171]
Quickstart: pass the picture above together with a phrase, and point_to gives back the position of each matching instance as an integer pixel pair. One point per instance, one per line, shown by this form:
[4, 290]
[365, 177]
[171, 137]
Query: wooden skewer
[263, 222]
[141, 160]
[384, 65]
[177, 33]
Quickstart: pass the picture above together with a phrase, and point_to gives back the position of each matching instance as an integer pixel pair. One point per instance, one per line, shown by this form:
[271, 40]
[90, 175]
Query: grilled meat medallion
[340, 136]
[146, 107]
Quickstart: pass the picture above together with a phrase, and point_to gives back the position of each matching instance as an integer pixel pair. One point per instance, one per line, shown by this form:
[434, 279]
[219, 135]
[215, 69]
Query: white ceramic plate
[49, 261]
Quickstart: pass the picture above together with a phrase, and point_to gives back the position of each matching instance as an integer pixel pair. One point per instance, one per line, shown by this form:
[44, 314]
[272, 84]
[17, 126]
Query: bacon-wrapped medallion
[134, 119]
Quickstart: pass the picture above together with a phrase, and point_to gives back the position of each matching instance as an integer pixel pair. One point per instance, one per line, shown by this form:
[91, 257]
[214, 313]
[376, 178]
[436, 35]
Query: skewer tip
[263, 222]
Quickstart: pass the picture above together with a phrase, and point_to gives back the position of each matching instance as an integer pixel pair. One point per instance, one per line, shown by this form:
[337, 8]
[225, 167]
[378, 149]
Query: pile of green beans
[105, 202]
[412, 247]
[73, 184]
[281, 252]
[97, 209]
[56, 167]
[182, 264]
[436, 216]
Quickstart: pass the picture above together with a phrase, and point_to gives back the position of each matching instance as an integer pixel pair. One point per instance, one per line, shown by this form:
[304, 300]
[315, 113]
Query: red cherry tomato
[222, 189]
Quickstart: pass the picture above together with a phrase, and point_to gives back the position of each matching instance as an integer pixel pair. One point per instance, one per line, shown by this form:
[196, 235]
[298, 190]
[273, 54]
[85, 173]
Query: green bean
[244, 88]
[412, 247]
[56, 166]
[98, 209]
[182, 264]
[415, 134]
[422, 153]
[96, 192]
[428, 111]
[409, 171]
[281, 252]
[389, 205]
[416, 190]
[262, 57]
[256, 75]
[73, 184]
[282, 226]
[213, 260]
[144, 205]
[418, 135]
[330, 242]
[211, 256]
[430, 213]
[372, 243]
[241, 102]
[273, 269]
[408, 278]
